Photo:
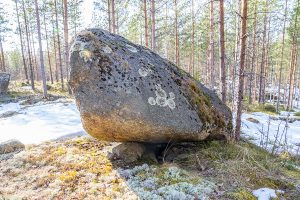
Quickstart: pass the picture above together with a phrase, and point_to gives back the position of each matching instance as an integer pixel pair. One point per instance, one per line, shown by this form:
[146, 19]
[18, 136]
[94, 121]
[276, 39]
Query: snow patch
[40, 122]
[257, 133]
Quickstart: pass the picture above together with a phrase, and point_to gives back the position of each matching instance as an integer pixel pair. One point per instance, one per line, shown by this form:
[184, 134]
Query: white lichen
[171, 103]
[162, 99]
[149, 182]
[266, 193]
[151, 101]
[107, 49]
[86, 55]
[84, 52]
[144, 71]
[131, 48]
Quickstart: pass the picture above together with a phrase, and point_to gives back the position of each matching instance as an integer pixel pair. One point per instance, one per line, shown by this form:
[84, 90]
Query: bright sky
[12, 40]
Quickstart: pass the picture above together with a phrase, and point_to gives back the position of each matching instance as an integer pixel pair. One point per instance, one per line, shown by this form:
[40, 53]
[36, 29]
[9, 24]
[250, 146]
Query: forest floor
[60, 161]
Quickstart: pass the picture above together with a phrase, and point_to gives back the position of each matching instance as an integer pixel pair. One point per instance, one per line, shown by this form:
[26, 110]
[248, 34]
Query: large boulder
[4, 82]
[126, 92]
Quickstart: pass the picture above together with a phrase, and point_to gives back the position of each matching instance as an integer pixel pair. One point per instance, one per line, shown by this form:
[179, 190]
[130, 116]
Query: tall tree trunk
[58, 46]
[34, 57]
[261, 97]
[193, 41]
[55, 51]
[41, 49]
[293, 62]
[252, 75]
[109, 15]
[48, 52]
[241, 69]
[2, 55]
[146, 23]
[176, 36]
[113, 13]
[212, 46]
[267, 68]
[28, 45]
[21, 41]
[66, 36]
[153, 25]
[222, 52]
[281, 57]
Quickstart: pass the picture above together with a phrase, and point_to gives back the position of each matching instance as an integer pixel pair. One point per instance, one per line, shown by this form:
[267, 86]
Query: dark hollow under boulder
[126, 92]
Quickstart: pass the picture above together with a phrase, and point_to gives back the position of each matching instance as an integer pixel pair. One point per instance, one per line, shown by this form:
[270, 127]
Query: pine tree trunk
[176, 36]
[28, 46]
[113, 14]
[193, 41]
[146, 23]
[41, 50]
[55, 51]
[261, 97]
[109, 15]
[22, 45]
[66, 36]
[241, 69]
[222, 52]
[281, 57]
[34, 61]
[2, 56]
[58, 46]
[48, 52]
[153, 25]
[211, 45]
[293, 62]
[252, 75]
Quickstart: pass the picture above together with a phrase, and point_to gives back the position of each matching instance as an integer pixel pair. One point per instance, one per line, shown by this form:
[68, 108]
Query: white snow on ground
[253, 131]
[266, 193]
[9, 107]
[40, 122]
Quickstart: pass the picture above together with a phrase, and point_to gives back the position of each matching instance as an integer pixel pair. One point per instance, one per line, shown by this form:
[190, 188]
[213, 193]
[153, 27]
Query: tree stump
[4, 82]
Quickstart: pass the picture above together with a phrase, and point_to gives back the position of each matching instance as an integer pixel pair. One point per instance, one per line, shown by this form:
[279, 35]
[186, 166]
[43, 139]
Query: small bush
[270, 108]
[297, 114]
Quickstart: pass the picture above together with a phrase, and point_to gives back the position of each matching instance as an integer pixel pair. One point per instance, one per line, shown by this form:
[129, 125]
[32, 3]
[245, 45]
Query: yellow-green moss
[242, 194]
[206, 112]
[68, 176]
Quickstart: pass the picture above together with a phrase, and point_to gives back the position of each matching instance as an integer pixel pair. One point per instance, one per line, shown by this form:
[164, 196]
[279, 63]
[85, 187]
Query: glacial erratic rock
[4, 82]
[126, 92]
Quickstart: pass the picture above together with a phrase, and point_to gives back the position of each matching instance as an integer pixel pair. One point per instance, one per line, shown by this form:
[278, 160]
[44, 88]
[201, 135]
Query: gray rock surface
[126, 92]
[11, 146]
[4, 82]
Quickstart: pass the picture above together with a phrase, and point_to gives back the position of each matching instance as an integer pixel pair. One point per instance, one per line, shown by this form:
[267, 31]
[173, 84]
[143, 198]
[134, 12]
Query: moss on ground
[267, 108]
[241, 165]
[297, 114]
[17, 89]
[242, 194]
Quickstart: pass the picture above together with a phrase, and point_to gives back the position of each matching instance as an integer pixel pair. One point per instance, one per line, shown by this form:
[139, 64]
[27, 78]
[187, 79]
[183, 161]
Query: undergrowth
[241, 166]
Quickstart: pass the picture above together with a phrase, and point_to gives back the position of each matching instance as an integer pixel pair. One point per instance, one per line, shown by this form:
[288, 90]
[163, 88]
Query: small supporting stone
[4, 82]
[130, 152]
[11, 146]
